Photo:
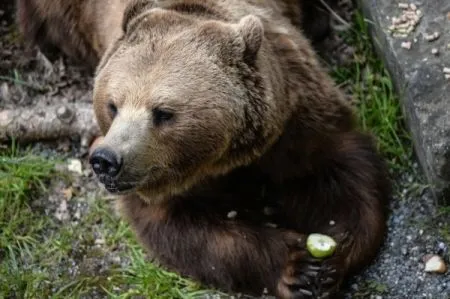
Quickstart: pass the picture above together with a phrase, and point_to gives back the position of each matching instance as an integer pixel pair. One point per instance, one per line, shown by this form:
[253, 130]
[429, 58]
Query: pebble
[434, 263]
[232, 214]
[432, 37]
[434, 51]
[75, 166]
[116, 259]
[404, 251]
[5, 94]
[271, 225]
[62, 212]
[64, 113]
[68, 193]
[406, 45]
[100, 241]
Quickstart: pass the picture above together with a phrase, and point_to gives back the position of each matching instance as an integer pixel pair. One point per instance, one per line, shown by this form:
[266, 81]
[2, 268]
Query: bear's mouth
[115, 186]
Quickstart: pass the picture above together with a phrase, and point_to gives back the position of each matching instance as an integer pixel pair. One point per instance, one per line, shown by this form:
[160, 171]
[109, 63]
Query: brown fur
[83, 29]
[259, 130]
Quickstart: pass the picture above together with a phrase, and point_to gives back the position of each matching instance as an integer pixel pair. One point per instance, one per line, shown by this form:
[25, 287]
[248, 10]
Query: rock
[434, 263]
[419, 79]
[75, 166]
[232, 214]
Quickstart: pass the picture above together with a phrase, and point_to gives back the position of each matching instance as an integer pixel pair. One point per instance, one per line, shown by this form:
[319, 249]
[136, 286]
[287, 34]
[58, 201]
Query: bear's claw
[308, 277]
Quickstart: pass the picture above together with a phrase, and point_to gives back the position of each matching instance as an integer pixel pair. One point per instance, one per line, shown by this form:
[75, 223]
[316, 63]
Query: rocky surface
[417, 59]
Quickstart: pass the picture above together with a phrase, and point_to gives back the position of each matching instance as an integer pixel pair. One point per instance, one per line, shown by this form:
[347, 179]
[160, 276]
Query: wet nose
[105, 161]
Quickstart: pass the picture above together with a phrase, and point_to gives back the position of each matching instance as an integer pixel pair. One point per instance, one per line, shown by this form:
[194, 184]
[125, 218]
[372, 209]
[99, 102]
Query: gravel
[415, 229]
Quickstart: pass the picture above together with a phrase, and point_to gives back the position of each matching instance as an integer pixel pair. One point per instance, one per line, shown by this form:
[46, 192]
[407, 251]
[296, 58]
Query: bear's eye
[112, 109]
[159, 116]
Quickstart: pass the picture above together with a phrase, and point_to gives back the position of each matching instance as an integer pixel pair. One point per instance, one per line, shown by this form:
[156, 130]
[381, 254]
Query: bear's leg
[346, 198]
[190, 237]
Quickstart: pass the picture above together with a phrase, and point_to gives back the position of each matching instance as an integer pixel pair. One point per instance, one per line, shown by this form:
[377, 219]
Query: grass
[41, 257]
[373, 92]
[44, 258]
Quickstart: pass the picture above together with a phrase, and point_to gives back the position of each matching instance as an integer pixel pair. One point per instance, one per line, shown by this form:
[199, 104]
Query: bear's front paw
[307, 277]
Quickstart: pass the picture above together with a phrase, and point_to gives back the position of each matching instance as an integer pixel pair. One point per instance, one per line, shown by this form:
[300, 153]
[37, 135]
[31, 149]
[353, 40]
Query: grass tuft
[373, 92]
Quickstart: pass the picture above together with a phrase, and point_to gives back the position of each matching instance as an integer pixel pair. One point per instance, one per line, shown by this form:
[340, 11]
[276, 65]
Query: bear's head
[179, 99]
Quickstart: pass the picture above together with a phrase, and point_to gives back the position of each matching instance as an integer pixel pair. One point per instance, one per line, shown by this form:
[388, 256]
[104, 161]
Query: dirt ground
[416, 227]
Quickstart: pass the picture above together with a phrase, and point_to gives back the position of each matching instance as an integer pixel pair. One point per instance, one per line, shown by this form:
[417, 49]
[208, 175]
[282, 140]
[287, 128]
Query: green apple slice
[320, 246]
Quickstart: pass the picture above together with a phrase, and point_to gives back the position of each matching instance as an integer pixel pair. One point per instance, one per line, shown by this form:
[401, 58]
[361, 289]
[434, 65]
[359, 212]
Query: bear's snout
[105, 162]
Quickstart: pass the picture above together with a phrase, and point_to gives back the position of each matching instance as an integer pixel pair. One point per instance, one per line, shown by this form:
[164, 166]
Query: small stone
[271, 225]
[400, 35]
[332, 222]
[75, 166]
[100, 241]
[403, 5]
[446, 70]
[413, 6]
[404, 250]
[434, 263]
[4, 92]
[77, 214]
[116, 259]
[68, 193]
[62, 212]
[232, 214]
[432, 37]
[64, 113]
[435, 51]
[406, 45]
[447, 76]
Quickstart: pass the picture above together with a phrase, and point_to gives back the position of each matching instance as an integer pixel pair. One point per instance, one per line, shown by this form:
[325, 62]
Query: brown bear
[229, 144]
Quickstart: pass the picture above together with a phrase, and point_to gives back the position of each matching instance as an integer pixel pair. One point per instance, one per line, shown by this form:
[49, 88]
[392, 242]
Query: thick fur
[83, 29]
[261, 149]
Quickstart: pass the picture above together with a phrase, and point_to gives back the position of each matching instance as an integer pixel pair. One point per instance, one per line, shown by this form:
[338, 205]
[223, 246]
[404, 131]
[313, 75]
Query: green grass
[41, 257]
[373, 92]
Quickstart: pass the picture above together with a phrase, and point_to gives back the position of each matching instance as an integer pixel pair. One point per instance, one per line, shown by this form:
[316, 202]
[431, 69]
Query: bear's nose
[105, 161]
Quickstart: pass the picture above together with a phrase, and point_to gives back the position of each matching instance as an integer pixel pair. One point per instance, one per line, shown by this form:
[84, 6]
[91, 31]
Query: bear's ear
[133, 9]
[252, 30]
